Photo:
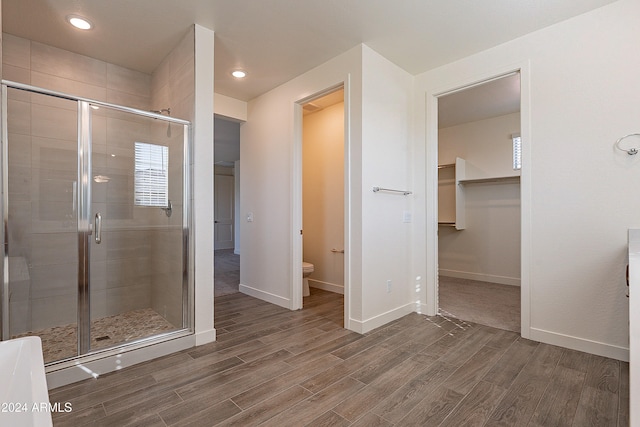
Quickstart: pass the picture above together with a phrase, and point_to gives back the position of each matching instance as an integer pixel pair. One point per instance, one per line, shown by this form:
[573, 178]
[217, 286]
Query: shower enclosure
[96, 222]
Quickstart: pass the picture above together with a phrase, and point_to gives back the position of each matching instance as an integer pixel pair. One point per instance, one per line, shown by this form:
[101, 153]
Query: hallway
[226, 272]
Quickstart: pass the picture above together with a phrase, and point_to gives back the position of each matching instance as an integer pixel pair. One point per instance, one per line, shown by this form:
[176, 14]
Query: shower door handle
[98, 228]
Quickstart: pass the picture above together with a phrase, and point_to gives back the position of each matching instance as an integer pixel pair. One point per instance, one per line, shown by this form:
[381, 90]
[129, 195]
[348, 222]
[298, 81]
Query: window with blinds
[151, 175]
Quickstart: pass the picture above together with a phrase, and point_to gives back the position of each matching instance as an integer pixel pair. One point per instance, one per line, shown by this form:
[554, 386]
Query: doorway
[322, 199]
[226, 198]
[479, 203]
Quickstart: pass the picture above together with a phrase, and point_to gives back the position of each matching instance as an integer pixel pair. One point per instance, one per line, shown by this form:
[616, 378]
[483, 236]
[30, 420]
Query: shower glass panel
[42, 236]
[136, 269]
[97, 230]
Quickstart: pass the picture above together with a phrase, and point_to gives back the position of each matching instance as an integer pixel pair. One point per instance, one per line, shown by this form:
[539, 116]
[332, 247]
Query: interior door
[223, 212]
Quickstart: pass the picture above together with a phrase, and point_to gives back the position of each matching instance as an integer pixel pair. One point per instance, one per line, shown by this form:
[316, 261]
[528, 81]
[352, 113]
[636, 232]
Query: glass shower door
[41, 172]
[136, 208]
[97, 232]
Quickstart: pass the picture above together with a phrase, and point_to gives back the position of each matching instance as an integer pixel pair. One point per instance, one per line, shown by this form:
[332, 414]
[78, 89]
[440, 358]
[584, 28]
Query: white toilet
[307, 269]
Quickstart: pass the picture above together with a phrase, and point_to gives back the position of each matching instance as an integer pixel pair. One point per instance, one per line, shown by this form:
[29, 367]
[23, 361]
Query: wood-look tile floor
[486, 303]
[275, 367]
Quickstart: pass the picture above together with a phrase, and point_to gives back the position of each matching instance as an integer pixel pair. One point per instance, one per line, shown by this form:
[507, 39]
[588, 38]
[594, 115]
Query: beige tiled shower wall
[172, 86]
[42, 185]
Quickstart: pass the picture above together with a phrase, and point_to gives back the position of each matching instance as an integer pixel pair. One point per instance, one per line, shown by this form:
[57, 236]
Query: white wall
[230, 107]
[578, 199]
[203, 186]
[323, 196]
[576, 207]
[488, 248]
[378, 106]
[386, 151]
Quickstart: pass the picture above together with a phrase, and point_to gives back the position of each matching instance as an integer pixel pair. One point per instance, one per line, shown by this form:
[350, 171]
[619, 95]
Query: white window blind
[151, 175]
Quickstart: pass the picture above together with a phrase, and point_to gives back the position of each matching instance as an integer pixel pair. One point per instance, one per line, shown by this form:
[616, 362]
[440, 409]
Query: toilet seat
[307, 267]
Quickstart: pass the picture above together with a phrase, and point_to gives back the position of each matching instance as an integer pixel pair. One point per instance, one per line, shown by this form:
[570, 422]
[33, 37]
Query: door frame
[296, 189]
[431, 185]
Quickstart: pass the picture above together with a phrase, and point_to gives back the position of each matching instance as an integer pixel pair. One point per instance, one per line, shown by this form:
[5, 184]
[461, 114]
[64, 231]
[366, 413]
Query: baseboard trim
[331, 287]
[265, 296]
[580, 344]
[205, 337]
[420, 308]
[503, 280]
[370, 324]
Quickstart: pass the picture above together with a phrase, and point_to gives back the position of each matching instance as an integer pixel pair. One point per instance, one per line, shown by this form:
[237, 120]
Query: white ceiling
[276, 40]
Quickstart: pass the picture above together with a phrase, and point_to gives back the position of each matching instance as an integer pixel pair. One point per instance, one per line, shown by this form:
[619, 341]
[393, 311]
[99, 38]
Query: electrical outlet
[388, 286]
[406, 216]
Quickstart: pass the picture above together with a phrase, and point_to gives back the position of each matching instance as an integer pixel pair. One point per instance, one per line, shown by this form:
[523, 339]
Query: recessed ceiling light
[239, 74]
[79, 22]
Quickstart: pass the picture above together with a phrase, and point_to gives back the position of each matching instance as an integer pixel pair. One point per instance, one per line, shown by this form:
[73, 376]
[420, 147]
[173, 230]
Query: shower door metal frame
[4, 294]
[85, 228]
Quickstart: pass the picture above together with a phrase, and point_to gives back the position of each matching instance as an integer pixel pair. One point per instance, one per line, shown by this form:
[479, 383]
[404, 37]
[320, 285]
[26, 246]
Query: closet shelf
[451, 195]
[449, 165]
[497, 179]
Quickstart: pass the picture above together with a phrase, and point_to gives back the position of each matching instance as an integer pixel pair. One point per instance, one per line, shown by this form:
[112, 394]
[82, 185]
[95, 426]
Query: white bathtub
[24, 400]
